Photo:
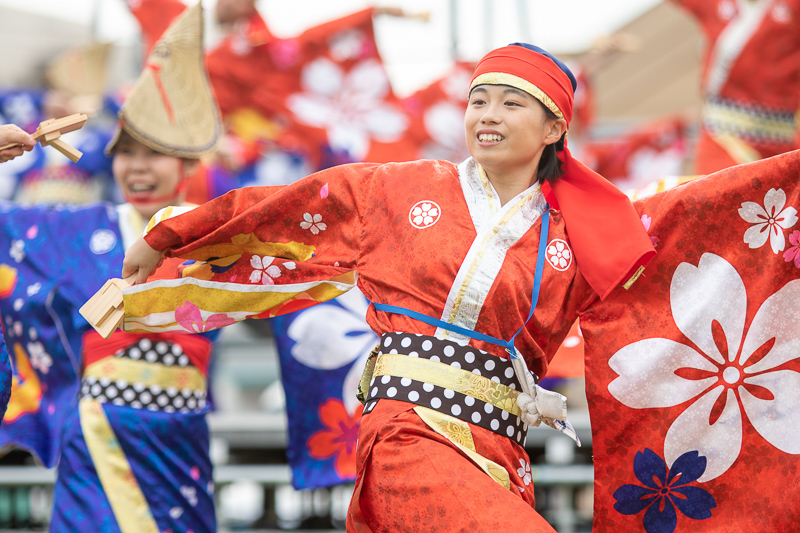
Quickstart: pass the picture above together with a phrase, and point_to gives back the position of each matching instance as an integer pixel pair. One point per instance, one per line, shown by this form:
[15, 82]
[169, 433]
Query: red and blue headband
[530, 69]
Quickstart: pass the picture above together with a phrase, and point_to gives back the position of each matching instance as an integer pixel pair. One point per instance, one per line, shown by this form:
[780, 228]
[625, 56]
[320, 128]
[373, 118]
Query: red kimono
[751, 80]
[427, 236]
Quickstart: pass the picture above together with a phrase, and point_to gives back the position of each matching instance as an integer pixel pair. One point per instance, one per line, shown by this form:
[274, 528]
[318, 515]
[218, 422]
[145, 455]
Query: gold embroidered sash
[449, 377]
[148, 374]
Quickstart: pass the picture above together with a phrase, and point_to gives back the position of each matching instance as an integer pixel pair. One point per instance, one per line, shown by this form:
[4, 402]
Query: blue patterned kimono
[128, 430]
[5, 376]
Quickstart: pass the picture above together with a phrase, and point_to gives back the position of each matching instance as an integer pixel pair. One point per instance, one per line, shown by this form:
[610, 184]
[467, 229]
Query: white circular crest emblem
[424, 214]
[102, 241]
[559, 254]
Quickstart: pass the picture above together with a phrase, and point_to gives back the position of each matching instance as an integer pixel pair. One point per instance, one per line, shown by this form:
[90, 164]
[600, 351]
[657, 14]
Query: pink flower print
[793, 253]
[285, 52]
[313, 223]
[189, 317]
[646, 221]
[265, 271]
[323, 192]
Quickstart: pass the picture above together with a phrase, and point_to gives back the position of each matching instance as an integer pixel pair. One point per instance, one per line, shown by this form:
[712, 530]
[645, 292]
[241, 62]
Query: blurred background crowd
[666, 92]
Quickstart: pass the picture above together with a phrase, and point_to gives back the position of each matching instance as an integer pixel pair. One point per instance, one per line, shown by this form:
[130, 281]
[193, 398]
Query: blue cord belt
[508, 345]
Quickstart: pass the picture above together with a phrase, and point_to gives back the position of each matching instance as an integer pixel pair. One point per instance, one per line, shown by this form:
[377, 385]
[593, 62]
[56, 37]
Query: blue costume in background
[5, 376]
[46, 176]
[125, 417]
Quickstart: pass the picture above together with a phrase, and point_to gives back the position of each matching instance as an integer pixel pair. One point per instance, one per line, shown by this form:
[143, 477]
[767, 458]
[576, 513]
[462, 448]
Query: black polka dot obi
[155, 372]
[461, 381]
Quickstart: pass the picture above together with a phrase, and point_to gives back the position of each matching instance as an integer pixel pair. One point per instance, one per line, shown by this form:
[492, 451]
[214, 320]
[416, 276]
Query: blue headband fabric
[560, 64]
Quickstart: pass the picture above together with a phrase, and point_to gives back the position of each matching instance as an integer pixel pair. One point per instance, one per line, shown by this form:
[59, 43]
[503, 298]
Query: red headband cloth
[533, 67]
[607, 237]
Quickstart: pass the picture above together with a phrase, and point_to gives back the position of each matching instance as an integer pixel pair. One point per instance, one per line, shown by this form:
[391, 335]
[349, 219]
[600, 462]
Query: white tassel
[538, 405]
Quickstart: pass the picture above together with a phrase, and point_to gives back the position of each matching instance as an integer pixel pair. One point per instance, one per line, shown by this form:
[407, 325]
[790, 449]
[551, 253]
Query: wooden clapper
[104, 311]
[49, 134]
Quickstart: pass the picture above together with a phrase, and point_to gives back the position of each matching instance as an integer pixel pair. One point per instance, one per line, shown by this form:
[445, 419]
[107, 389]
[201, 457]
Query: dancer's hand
[12, 134]
[140, 261]
[398, 12]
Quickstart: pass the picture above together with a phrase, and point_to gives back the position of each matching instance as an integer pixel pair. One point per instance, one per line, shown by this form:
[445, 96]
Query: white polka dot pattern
[141, 396]
[448, 401]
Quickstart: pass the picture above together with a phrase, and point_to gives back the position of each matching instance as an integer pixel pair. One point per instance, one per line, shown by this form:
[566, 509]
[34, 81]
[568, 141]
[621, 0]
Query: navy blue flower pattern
[665, 490]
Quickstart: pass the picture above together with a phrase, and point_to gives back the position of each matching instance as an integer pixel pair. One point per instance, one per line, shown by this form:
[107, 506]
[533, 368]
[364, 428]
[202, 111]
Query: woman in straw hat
[133, 453]
[443, 252]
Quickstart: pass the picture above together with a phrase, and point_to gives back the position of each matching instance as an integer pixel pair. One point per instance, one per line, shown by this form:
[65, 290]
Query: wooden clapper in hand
[49, 134]
[105, 311]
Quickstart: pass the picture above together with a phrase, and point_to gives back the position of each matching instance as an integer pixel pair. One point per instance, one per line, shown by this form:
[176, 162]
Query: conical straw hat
[80, 71]
[171, 109]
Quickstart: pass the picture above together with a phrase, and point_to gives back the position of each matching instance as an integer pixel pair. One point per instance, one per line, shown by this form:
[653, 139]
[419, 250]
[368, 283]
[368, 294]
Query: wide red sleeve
[255, 253]
[321, 213]
[360, 19]
[698, 362]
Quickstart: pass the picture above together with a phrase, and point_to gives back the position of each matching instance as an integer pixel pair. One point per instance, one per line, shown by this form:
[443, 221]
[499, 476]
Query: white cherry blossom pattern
[456, 85]
[349, 45]
[21, 109]
[424, 214]
[725, 378]
[190, 493]
[39, 358]
[444, 121]
[102, 241]
[277, 167]
[559, 254]
[524, 472]
[313, 223]
[768, 221]
[331, 336]
[351, 106]
[264, 271]
[17, 250]
[32, 290]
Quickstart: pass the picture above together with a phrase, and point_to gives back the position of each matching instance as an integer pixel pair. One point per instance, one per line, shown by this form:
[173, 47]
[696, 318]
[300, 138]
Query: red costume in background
[751, 80]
